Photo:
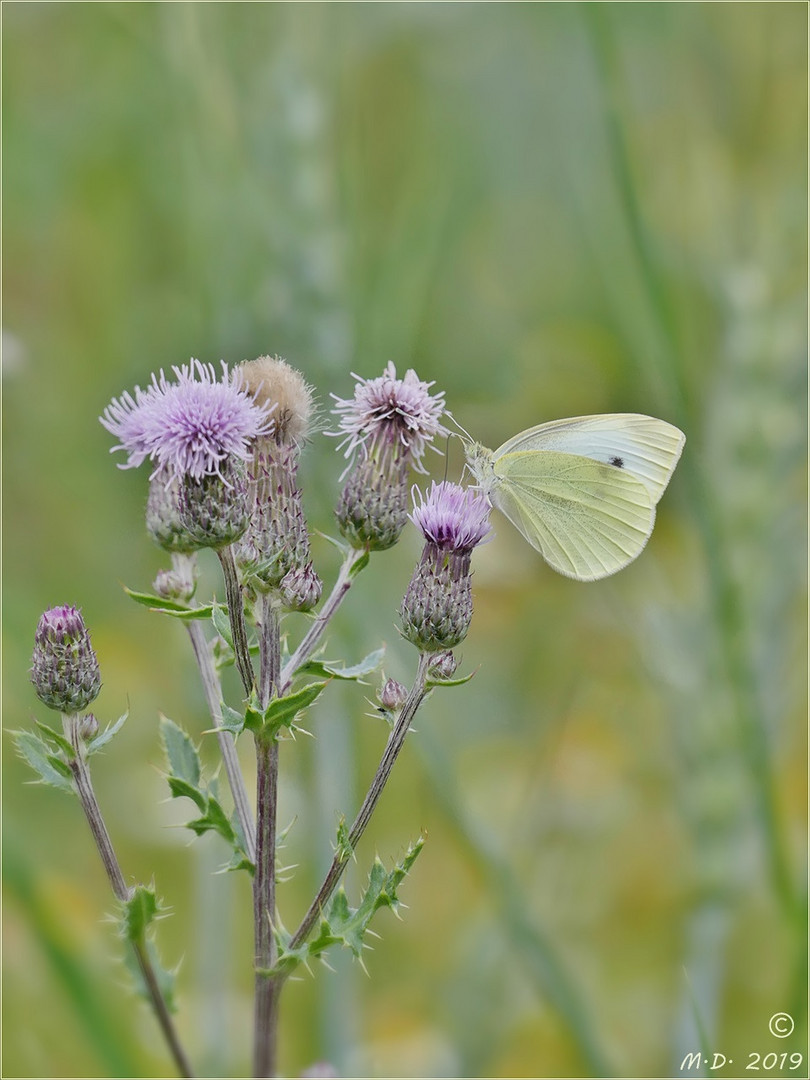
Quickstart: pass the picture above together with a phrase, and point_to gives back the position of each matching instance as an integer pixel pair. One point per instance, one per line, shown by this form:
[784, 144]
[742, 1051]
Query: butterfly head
[481, 464]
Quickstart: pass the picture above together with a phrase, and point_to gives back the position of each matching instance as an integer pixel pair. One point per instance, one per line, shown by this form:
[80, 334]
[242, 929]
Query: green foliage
[329, 669]
[185, 780]
[280, 713]
[140, 911]
[103, 737]
[176, 608]
[346, 926]
[51, 767]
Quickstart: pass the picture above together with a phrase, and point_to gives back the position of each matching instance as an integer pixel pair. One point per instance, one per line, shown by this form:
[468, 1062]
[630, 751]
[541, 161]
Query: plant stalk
[236, 614]
[267, 988]
[343, 583]
[395, 743]
[92, 811]
[227, 746]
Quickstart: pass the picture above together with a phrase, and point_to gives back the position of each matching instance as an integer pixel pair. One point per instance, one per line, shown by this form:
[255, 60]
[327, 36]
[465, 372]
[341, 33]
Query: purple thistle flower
[391, 411]
[437, 608]
[189, 427]
[451, 517]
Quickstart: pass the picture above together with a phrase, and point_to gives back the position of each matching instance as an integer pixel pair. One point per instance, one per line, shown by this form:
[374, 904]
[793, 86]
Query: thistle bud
[178, 583]
[392, 695]
[443, 665]
[64, 669]
[437, 608]
[301, 588]
[214, 509]
[88, 727]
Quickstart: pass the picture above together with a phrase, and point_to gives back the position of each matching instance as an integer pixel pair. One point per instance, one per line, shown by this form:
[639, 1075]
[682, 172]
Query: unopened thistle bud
[276, 544]
[88, 727]
[178, 583]
[214, 509]
[385, 429]
[64, 667]
[392, 695]
[443, 665]
[437, 608]
[301, 588]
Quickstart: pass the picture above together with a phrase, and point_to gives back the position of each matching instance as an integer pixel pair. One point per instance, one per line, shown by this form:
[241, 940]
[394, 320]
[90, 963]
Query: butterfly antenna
[463, 431]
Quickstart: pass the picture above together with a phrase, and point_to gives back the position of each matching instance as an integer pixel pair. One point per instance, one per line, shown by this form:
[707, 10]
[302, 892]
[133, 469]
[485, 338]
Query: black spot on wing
[617, 461]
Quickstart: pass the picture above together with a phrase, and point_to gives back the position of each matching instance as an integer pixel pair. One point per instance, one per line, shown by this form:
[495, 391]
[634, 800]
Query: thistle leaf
[184, 761]
[57, 739]
[36, 752]
[327, 669]
[104, 736]
[140, 911]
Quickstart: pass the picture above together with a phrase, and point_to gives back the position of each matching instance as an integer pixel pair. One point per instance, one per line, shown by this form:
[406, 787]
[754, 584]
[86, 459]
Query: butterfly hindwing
[587, 519]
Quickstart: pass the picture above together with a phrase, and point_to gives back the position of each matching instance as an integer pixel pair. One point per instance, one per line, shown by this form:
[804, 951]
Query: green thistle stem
[395, 743]
[227, 746]
[92, 811]
[267, 989]
[316, 631]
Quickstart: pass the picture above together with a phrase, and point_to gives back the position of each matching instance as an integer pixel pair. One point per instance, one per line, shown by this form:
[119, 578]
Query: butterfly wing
[641, 446]
[587, 519]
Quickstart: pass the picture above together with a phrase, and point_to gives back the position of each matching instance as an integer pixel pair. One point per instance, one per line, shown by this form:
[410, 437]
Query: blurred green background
[550, 210]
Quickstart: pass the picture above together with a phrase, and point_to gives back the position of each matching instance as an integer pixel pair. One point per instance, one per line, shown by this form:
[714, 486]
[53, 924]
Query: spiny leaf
[181, 788]
[327, 669]
[360, 563]
[222, 624]
[166, 978]
[430, 683]
[37, 753]
[56, 738]
[184, 761]
[104, 736]
[178, 609]
[282, 711]
[232, 720]
[139, 912]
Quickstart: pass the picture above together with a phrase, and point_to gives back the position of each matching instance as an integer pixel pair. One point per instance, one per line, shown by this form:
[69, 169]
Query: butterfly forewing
[639, 445]
[586, 519]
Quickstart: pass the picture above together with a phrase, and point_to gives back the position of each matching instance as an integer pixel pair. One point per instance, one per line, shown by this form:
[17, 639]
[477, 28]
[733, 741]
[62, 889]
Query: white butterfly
[582, 491]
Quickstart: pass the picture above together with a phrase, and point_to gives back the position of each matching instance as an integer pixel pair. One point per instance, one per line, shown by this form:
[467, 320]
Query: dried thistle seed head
[283, 392]
[64, 669]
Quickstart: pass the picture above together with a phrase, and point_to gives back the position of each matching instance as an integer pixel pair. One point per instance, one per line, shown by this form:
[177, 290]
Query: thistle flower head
[437, 608]
[190, 426]
[282, 390]
[452, 517]
[392, 412]
[64, 668]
